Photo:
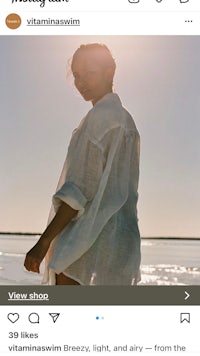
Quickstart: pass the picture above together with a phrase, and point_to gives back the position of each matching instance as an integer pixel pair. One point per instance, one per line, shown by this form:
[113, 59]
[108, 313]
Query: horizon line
[142, 237]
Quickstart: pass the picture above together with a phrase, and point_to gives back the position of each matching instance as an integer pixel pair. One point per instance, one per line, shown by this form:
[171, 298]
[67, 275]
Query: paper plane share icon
[54, 316]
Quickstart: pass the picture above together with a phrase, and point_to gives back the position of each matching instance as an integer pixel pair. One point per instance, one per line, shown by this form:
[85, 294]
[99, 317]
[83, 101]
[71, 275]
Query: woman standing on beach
[92, 236]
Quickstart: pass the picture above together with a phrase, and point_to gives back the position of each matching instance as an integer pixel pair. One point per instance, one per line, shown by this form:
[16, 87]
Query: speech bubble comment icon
[34, 318]
[13, 317]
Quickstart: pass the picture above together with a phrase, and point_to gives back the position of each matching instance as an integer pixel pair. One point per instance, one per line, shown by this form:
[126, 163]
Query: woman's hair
[99, 52]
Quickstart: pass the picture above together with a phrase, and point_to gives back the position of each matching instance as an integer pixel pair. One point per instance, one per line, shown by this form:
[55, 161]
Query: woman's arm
[35, 256]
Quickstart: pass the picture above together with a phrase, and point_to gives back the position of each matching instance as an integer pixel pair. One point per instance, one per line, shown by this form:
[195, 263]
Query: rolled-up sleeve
[84, 167]
[71, 195]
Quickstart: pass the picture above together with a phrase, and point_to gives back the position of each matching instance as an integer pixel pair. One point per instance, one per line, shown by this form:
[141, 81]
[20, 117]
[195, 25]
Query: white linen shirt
[101, 246]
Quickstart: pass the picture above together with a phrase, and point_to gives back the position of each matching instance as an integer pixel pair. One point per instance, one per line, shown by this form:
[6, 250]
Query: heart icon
[13, 317]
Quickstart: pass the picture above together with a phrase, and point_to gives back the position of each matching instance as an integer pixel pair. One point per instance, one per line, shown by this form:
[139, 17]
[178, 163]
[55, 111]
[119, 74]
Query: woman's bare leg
[61, 279]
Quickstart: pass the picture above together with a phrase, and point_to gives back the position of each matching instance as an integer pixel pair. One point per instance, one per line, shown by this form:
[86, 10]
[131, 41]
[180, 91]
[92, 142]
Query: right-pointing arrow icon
[187, 295]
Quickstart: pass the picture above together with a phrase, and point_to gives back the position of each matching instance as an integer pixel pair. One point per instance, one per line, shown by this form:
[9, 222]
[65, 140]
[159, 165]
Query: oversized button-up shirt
[101, 246]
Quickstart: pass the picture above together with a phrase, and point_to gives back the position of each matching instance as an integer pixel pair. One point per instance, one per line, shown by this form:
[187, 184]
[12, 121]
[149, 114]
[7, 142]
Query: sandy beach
[164, 261]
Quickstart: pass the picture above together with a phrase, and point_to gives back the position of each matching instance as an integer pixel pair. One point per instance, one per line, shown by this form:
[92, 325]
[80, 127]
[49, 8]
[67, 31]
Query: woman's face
[91, 80]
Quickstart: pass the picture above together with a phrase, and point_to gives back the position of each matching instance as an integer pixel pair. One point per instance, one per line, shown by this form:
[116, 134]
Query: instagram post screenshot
[100, 172]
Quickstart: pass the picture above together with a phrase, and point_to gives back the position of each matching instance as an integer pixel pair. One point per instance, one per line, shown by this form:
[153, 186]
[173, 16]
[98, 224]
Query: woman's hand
[35, 256]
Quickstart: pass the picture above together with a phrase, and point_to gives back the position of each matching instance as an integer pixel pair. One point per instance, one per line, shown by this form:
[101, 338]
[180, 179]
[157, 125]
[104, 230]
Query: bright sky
[157, 79]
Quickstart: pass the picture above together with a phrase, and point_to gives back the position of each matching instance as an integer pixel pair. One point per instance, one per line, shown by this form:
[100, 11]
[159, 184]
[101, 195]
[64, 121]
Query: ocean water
[164, 261]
